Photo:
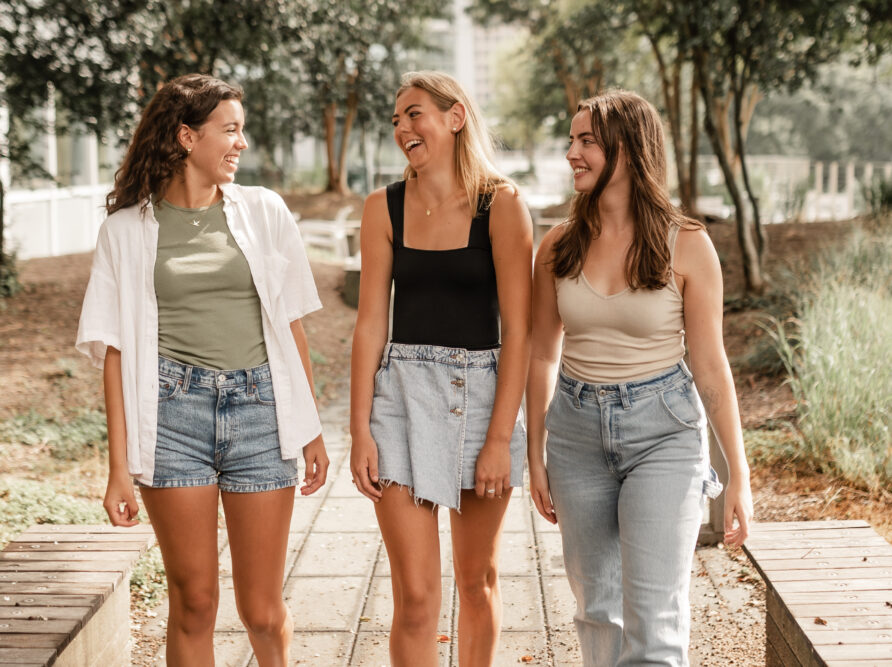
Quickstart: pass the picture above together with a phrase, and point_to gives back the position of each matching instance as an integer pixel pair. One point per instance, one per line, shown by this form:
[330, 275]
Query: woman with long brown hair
[435, 412]
[193, 311]
[625, 282]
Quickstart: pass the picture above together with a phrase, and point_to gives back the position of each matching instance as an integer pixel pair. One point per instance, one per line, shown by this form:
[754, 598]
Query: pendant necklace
[427, 210]
[198, 216]
[197, 221]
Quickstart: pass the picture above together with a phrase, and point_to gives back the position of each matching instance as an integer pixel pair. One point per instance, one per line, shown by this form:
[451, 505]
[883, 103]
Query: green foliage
[67, 440]
[9, 275]
[148, 585]
[840, 116]
[878, 195]
[778, 443]
[761, 358]
[839, 361]
[25, 502]
[572, 52]
[761, 355]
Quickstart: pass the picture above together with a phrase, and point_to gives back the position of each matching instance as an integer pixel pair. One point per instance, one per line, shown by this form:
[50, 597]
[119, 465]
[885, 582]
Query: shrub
[147, 580]
[67, 440]
[878, 196]
[839, 362]
[24, 503]
[9, 275]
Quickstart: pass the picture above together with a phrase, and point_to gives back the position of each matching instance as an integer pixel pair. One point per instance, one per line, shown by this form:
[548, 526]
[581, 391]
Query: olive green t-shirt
[208, 308]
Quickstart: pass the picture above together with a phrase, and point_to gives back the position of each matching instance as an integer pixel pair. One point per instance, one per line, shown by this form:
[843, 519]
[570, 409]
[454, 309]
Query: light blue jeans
[628, 468]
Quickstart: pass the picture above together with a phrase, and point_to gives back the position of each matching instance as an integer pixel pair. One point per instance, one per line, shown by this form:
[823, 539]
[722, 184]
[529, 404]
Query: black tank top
[444, 297]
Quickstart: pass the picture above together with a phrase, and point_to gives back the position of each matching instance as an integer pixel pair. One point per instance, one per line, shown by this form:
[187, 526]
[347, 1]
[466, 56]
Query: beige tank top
[626, 336]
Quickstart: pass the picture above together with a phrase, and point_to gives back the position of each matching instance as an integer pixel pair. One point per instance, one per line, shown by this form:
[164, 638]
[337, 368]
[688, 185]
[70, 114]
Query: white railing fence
[54, 221]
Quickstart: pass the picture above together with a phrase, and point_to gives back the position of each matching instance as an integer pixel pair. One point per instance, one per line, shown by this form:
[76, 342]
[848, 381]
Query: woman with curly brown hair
[193, 311]
[624, 283]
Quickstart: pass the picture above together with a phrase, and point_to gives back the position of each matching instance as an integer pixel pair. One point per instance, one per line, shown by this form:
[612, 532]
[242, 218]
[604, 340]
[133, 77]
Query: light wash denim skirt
[430, 415]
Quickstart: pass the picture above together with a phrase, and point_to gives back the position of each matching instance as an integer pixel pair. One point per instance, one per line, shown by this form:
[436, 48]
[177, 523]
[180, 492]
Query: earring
[455, 129]
[188, 151]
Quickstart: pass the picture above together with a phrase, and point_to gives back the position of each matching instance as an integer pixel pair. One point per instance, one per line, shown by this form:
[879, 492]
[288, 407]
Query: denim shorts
[430, 415]
[218, 427]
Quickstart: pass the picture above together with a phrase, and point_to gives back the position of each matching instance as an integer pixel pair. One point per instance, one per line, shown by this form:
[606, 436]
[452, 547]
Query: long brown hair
[474, 168]
[621, 119]
[155, 155]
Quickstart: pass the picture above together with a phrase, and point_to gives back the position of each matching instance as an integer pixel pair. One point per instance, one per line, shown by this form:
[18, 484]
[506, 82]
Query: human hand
[540, 492]
[316, 466]
[493, 472]
[120, 500]
[739, 505]
[364, 466]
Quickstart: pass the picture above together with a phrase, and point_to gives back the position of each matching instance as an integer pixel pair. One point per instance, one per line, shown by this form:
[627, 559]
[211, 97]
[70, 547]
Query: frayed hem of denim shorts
[418, 500]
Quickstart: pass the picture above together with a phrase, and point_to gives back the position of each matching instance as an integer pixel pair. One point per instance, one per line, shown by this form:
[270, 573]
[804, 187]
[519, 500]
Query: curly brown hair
[155, 154]
[623, 119]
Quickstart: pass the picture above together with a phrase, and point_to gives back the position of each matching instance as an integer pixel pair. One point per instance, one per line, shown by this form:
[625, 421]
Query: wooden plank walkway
[54, 580]
[829, 593]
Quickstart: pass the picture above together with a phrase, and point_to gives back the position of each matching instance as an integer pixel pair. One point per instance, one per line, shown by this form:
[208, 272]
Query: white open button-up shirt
[120, 310]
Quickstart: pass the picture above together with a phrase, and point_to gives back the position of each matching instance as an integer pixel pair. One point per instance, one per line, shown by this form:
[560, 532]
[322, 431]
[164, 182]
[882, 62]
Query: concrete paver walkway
[339, 589]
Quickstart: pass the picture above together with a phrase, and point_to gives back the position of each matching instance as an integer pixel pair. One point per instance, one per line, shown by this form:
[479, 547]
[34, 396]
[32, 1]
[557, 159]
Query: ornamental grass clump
[838, 354]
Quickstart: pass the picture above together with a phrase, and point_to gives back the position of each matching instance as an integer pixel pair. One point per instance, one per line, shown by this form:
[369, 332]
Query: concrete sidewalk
[339, 590]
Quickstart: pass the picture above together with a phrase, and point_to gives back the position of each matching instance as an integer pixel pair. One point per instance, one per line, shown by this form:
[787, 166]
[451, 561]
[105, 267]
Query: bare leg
[257, 524]
[475, 553]
[185, 523]
[413, 546]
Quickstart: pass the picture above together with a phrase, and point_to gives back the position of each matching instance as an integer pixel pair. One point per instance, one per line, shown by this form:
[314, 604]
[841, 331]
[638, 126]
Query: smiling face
[216, 145]
[421, 130]
[585, 155]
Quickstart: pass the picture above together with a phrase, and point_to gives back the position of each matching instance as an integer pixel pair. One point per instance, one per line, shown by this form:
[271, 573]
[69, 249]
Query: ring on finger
[491, 491]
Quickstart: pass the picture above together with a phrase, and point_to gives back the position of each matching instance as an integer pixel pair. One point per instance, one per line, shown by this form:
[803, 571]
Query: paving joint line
[370, 578]
[549, 646]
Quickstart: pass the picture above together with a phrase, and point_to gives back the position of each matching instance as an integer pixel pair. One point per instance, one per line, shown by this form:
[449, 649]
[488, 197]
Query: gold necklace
[427, 210]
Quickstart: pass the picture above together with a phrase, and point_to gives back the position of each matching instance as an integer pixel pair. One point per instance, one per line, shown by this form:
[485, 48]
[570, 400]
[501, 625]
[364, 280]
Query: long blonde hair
[474, 149]
[623, 119]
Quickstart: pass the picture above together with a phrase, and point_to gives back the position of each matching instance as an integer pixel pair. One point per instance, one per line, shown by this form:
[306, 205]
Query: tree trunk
[761, 244]
[331, 129]
[2, 223]
[352, 106]
[695, 140]
[673, 111]
[571, 88]
[752, 268]
[720, 110]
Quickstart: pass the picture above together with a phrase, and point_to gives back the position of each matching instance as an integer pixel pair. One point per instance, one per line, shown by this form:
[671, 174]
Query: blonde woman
[624, 283]
[435, 412]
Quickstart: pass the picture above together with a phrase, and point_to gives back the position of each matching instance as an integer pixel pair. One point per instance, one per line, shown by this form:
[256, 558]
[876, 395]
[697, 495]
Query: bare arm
[315, 457]
[701, 273]
[120, 500]
[369, 338]
[544, 357]
[511, 233]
